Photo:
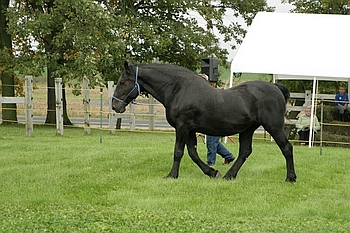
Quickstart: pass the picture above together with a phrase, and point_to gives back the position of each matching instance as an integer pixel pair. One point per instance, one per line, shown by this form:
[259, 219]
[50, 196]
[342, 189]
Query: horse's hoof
[226, 177]
[215, 174]
[291, 180]
[170, 177]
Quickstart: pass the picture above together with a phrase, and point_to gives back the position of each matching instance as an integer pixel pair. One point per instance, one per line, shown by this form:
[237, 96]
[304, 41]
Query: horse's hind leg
[192, 151]
[245, 149]
[287, 150]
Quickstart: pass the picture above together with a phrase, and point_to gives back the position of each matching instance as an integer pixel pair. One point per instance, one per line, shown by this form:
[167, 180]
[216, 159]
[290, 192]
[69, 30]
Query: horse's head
[127, 88]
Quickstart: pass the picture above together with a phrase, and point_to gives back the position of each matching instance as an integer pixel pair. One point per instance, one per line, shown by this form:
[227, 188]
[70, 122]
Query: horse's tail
[284, 90]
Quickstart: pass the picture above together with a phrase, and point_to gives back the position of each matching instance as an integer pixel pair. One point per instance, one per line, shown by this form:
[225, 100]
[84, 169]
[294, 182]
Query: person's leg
[347, 113]
[226, 154]
[221, 150]
[307, 135]
[212, 142]
[341, 113]
[303, 135]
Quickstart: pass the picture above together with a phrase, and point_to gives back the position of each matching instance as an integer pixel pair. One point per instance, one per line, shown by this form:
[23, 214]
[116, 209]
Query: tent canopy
[296, 46]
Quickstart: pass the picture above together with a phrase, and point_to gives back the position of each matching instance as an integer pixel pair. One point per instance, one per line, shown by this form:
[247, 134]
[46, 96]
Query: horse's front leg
[245, 149]
[181, 137]
[192, 151]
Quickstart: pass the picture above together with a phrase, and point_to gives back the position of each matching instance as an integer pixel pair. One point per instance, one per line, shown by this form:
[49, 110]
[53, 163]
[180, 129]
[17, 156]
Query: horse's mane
[164, 67]
[174, 71]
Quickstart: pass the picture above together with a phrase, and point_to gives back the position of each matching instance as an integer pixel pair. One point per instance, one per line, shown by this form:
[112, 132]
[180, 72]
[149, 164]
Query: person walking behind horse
[214, 146]
[303, 125]
[341, 103]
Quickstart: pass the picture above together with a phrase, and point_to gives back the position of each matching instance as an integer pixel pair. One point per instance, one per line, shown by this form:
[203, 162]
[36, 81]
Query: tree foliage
[320, 6]
[86, 38]
[181, 31]
[74, 38]
[91, 38]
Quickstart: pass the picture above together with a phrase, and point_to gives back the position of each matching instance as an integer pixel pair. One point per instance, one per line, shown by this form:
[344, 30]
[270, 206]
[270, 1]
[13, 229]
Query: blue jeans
[342, 111]
[214, 146]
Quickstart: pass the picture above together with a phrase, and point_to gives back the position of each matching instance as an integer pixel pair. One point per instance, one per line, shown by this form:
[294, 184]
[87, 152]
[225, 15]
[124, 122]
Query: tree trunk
[51, 98]
[51, 101]
[9, 111]
[66, 120]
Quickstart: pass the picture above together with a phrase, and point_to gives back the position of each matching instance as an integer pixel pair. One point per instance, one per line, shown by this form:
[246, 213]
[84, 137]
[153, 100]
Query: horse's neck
[156, 88]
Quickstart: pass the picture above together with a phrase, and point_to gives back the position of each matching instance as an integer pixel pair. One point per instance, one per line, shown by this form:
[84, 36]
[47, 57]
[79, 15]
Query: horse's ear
[128, 65]
[131, 62]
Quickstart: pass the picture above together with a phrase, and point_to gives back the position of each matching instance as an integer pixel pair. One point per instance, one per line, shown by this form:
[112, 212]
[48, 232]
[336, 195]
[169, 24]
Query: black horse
[192, 105]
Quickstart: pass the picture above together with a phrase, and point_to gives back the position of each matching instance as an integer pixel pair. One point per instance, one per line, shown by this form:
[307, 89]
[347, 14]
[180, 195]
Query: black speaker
[210, 67]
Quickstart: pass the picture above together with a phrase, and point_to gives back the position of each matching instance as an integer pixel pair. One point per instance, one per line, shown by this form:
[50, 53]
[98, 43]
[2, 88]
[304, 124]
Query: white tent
[299, 45]
[296, 46]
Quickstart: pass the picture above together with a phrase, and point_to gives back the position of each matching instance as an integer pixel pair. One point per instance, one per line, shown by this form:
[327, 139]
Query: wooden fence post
[29, 105]
[111, 115]
[59, 106]
[132, 116]
[86, 101]
[151, 112]
[307, 97]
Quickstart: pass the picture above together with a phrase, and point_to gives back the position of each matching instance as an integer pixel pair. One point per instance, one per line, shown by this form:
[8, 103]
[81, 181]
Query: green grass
[73, 183]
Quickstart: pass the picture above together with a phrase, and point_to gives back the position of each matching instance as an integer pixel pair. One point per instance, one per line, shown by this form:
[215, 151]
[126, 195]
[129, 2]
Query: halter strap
[136, 87]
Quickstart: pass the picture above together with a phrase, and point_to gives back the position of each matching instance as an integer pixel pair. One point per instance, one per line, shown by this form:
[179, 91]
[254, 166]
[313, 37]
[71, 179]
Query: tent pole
[348, 86]
[312, 110]
[231, 75]
[274, 78]
[321, 128]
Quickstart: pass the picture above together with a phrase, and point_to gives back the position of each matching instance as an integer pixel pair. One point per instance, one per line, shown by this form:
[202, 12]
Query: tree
[9, 111]
[76, 39]
[72, 39]
[181, 31]
[320, 6]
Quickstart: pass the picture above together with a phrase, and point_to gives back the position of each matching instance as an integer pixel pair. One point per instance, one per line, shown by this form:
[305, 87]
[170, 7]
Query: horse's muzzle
[118, 107]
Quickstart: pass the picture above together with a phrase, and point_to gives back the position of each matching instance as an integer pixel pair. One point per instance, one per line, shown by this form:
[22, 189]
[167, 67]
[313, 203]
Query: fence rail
[27, 100]
[146, 110]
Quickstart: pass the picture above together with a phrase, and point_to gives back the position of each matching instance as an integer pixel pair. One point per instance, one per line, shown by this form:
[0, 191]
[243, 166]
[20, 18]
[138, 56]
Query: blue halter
[136, 87]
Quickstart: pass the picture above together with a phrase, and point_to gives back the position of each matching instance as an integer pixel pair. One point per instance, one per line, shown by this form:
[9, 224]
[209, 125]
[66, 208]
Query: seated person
[341, 103]
[303, 125]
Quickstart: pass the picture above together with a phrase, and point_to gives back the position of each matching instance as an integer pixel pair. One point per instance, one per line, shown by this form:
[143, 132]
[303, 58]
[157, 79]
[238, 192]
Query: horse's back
[271, 101]
[264, 91]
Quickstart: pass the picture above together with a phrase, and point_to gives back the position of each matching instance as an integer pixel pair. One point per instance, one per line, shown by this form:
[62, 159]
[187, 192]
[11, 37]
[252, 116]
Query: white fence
[59, 106]
[27, 101]
[131, 115]
[112, 115]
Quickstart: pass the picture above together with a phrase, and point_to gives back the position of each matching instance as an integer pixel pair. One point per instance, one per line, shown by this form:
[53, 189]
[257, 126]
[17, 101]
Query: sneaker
[229, 160]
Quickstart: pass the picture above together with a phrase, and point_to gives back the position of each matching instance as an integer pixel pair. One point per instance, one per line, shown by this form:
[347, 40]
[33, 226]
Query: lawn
[74, 183]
